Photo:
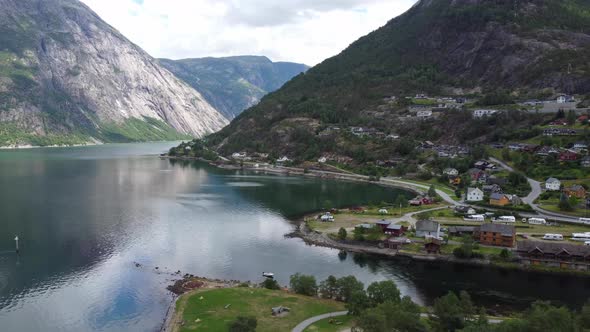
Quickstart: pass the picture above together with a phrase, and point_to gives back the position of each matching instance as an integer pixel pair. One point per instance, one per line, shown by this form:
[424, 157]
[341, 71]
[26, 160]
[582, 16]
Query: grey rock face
[64, 70]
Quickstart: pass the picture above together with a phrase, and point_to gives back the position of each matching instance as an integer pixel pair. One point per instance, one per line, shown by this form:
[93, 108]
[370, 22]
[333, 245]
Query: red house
[419, 201]
[395, 230]
[568, 156]
[383, 224]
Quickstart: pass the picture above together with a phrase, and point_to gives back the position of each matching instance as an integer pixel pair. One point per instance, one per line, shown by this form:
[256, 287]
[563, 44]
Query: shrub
[243, 324]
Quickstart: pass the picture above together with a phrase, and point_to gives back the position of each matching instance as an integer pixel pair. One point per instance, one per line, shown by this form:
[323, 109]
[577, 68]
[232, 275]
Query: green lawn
[336, 324]
[205, 310]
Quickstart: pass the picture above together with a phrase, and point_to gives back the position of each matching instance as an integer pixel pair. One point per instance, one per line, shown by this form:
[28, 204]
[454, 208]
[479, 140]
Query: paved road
[306, 323]
[446, 197]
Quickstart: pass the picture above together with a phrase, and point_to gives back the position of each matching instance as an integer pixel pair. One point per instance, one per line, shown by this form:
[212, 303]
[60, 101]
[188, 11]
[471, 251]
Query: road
[536, 191]
[306, 323]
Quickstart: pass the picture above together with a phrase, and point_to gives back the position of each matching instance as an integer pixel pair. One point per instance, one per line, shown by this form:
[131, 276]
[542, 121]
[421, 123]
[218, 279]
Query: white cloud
[307, 31]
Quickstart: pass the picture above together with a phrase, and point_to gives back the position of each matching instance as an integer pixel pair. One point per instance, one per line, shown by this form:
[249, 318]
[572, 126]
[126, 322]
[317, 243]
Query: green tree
[347, 286]
[449, 313]
[571, 117]
[270, 284]
[584, 317]
[329, 288]
[383, 291]
[402, 201]
[564, 203]
[303, 284]
[505, 254]
[545, 317]
[432, 191]
[342, 234]
[357, 302]
[390, 316]
[506, 154]
[243, 324]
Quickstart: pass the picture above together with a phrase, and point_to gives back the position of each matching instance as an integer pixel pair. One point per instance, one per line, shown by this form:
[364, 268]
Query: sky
[304, 31]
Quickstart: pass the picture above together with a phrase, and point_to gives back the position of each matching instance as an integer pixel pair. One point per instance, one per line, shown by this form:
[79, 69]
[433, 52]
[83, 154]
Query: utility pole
[16, 240]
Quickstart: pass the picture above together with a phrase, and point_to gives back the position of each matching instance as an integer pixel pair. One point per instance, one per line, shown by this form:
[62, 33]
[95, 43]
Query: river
[86, 215]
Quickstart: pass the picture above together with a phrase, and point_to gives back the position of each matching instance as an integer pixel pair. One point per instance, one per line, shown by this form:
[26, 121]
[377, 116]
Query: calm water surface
[85, 216]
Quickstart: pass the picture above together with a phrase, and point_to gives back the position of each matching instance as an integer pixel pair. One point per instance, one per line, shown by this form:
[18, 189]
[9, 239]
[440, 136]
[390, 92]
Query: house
[477, 175]
[282, 161]
[463, 209]
[585, 162]
[575, 190]
[554, 254]
[580, 146]
[496, 235]
[552, 184]
[559, 132]
[428, 228]
[451, 172]
[323, 160]
[515, 200]
[483, 113]
[383, 211]
[239, 155]
[395, 230]
[396, 242]
[569, 155]
[492, 188]
[461, 230]
[582, 118]
[492, 179]
[327, 217]
[545, 151]
[383, 224]
[419, 201]
[497, 199]
[456, 180]
[562, 99]
[424, 114]
[474, 195]
[432, 245]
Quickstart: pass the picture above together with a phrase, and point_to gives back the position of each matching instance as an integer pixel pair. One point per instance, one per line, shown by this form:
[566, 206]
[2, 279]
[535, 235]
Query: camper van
[475, 217]
[537, 221]
[553, 237]
[585, 221]
[505, 219]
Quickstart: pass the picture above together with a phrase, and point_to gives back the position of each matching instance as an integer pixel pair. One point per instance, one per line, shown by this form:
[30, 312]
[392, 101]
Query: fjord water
[96, 222]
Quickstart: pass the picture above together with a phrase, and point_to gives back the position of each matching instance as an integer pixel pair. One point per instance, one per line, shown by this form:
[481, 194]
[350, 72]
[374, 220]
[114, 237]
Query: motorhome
[585, 221]
[553, 237]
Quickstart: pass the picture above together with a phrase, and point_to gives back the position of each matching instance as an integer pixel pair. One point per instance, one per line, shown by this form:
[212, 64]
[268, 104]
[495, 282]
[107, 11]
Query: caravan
[475, 218]
[581, 236]
[537, 221]
[553, 237]
[585, 221]
[505, 219]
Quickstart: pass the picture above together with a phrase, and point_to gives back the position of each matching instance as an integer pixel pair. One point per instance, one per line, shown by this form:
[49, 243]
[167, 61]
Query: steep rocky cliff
[68, 77]
[234, 84]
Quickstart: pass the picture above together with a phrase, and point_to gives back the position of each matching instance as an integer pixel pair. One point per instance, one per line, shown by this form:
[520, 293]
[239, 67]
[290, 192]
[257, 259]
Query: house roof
[461, 229]
[576, 187]
[394, 227]
[505, 230]
[477, 190]
[427, 226]
[497, 196]
[383, 222]
[554, 248]
[552, 180]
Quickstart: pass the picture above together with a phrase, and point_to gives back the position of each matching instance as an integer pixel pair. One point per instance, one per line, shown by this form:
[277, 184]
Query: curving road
[306, 323]
[536, 191]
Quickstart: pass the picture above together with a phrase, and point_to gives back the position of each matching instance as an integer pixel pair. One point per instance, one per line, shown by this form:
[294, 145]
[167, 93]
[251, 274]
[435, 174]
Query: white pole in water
[16, 240]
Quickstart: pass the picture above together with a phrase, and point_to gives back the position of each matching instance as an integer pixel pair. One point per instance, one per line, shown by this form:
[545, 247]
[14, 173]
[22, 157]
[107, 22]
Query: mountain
[68, 77]
[493, 52]
[234, 84]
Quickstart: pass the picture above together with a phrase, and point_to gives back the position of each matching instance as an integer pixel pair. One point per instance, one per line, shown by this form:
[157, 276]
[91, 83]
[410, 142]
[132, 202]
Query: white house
[553, 184]
[565, 99]
[474, 195]
[451, 172]
[482, 113]
[424, 114]
[322, 160]
[427, 228]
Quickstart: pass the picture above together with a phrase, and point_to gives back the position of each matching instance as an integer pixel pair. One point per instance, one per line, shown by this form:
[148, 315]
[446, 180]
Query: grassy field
[344, 323]
[205, 310]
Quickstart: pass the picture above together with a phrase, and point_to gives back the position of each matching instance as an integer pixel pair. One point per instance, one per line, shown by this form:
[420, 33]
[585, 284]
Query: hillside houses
[559, 132]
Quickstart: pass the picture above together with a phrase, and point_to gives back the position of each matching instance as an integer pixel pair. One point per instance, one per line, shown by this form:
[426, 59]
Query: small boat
[268, 274]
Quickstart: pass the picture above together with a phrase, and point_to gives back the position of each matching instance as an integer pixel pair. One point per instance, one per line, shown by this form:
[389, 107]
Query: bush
[243, 324]
[342, 234]
[303, 284]
[270, 284]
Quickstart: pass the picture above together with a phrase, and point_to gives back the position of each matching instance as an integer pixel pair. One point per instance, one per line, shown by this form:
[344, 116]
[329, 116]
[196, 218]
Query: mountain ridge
[485, 50]
[233, 84]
